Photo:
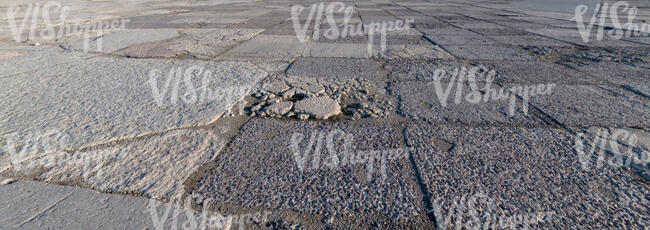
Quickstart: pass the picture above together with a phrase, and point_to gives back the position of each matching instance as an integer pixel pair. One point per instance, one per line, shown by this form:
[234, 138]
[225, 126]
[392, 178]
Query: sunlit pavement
[246, 115]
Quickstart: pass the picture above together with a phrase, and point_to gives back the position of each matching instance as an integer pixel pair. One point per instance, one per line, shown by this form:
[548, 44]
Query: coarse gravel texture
[523, 171]
[594, 105]
[455, 102]
[265, 154]
[479, 114]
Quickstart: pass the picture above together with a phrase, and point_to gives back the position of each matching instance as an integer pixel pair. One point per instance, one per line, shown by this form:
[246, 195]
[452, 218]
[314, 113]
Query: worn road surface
[285, 114]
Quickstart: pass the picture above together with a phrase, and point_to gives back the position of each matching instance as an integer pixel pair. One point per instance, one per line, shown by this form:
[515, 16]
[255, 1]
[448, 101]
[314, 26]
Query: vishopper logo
[335, 158]
[183, 82]
[318, 11]
[43, 15]
[32, 151]
[605, 11]
[487, 93]
[608, 148]
[479, 211]
[180, 215]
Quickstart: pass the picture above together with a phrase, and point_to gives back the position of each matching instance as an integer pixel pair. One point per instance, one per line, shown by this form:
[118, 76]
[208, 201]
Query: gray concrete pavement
[236, 114]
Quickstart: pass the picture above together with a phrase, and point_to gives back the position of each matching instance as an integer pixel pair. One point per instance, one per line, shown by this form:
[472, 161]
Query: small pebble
[328, 220]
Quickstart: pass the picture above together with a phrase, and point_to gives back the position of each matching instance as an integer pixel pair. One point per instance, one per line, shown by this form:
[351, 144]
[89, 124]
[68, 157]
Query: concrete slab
[280, 47]
[580, 54]
[529, 41]
[377, 19]
[122, 39]
[486, 53]
[421, 100]
[21, 59]
[406, 32]
[461, 40]
[317, 107]
[448, 31]
[477, 25]
[616, 147]
[347, 39]
[426, 52]
[33, 205]
[403, 40]
[374, 13]
[499, 32]
[642, 40]
[334, 68]
[344, 50]
[153, 21]
[591, 105]
[625, 75]
[155, 167]
[108, 98]
[511, 173]
[539, 73]
[289, 47]
[523, 24]
[263, 154]
[191, 19]
[37, 205]
[401, 69]
[430, 24]
[555, 32]
[593, 42]
[203, 43]
[403, 12]
[123, 135]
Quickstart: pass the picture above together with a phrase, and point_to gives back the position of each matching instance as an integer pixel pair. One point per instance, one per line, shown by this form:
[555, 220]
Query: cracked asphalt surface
[245, 114]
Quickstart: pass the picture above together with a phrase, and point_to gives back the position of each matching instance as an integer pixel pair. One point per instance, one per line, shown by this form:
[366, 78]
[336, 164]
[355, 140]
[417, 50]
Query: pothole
[320, 99]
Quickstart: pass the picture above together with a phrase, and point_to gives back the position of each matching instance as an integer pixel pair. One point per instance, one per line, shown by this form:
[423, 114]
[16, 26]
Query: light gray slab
[280, 47]
[486, 53]
[36, 205]
[334, 68]
[121, 39]
[112, 98]
[593, 105]
[19, 58]
[155, 167]
[204, 43]
[340, 50]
